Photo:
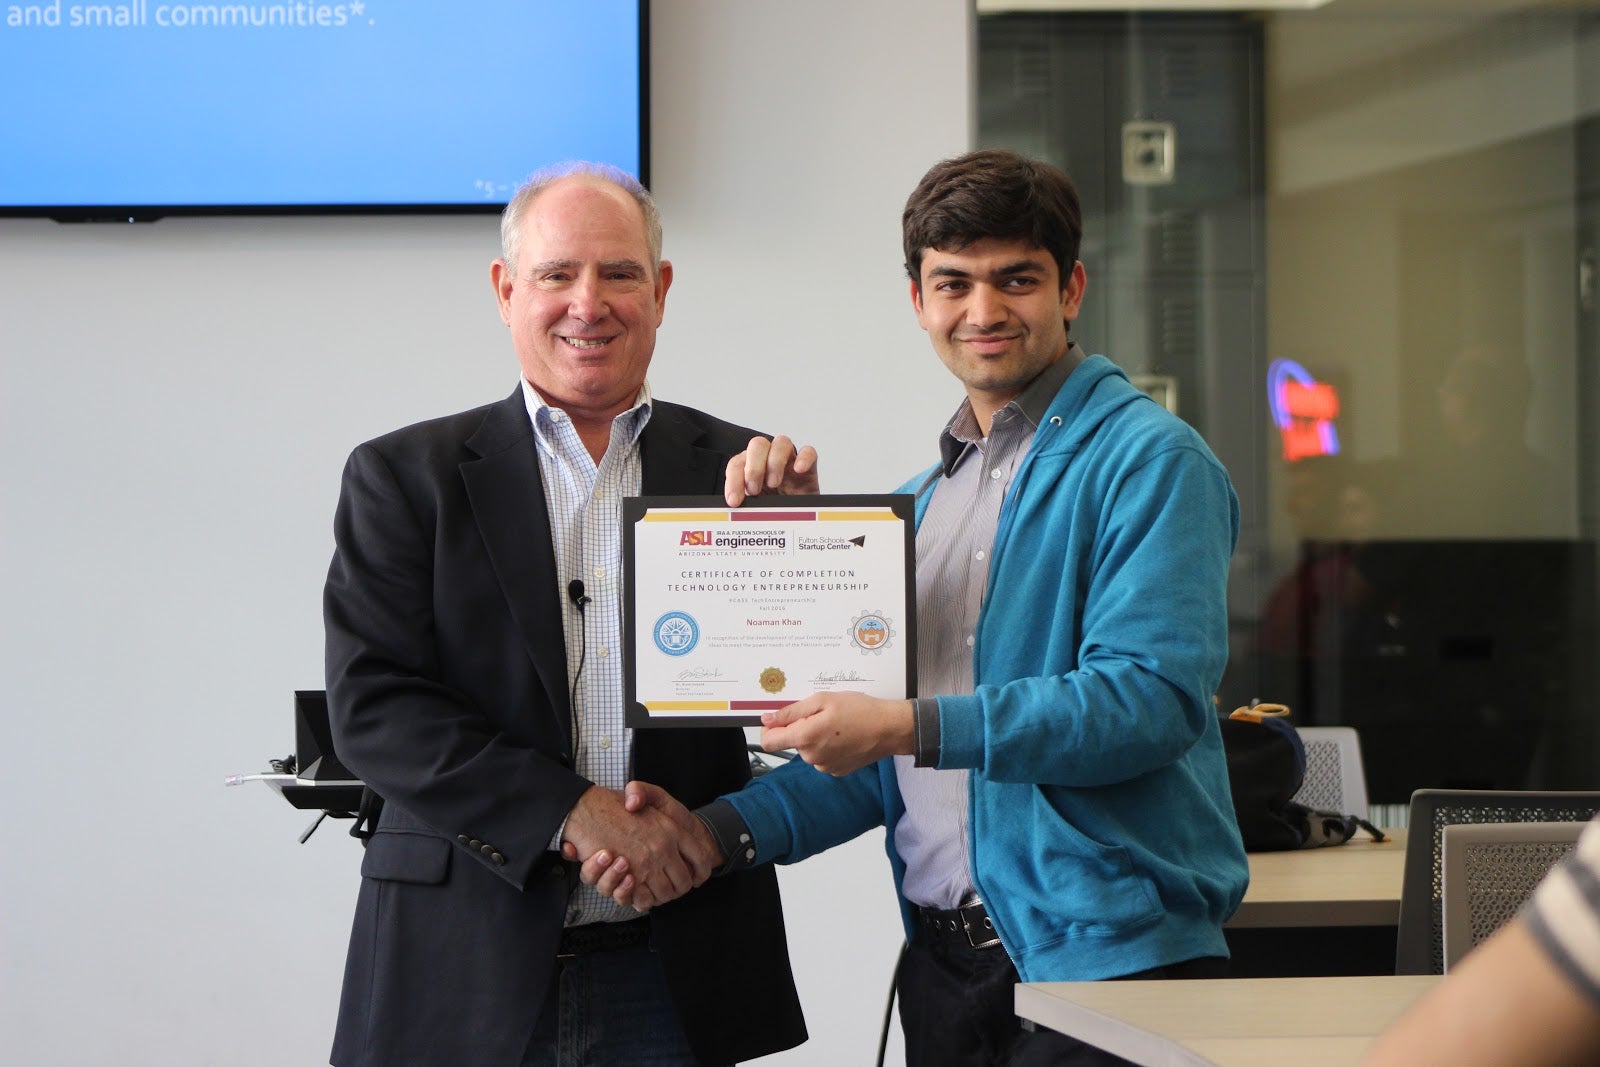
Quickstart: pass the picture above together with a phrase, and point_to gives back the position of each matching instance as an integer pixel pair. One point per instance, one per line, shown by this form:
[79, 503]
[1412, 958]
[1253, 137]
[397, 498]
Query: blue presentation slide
[363, 102]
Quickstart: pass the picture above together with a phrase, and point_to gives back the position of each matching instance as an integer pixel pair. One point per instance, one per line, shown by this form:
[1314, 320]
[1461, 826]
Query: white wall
[177, 402]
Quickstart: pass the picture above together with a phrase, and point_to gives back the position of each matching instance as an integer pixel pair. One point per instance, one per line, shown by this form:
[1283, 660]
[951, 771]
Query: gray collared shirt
[954, 543]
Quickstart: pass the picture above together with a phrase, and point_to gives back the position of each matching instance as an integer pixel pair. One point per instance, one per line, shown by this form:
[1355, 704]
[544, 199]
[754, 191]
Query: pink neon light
[1303, 409]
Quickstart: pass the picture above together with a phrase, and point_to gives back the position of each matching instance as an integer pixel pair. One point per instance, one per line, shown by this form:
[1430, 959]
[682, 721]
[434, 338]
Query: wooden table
[1354, 884]
[1226, 1022]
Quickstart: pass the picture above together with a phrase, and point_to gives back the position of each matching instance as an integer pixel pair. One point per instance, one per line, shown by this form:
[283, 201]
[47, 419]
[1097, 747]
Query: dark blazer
[447, 690]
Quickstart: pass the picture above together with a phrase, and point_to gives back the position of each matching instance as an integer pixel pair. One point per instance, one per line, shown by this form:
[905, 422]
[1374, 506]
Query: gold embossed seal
[772, 680]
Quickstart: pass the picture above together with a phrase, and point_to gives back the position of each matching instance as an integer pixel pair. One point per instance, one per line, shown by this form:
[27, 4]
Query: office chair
[1489, 871]
[1419, 941]
[1334, 779]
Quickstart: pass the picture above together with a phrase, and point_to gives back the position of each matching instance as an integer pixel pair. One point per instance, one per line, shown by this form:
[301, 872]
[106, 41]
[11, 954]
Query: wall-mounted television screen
[131, 111]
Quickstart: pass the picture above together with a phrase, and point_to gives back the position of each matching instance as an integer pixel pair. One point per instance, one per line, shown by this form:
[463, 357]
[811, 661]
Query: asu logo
[694, 537]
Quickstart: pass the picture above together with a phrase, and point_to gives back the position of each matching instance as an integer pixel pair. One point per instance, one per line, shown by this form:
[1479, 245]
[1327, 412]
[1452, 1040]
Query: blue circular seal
[676, 634]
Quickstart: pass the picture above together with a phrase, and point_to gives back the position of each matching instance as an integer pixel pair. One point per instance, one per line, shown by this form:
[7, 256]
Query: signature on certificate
[838, 676]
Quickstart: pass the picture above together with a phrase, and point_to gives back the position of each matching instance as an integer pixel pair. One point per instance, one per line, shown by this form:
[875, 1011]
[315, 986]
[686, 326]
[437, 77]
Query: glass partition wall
[1356, 247]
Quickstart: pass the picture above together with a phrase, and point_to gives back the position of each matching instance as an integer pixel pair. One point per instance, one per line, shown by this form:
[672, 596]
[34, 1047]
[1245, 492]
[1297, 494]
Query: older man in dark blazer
[474, 682]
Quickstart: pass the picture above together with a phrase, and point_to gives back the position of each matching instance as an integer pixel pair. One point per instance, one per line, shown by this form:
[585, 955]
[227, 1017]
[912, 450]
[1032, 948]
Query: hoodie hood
[1096, 388]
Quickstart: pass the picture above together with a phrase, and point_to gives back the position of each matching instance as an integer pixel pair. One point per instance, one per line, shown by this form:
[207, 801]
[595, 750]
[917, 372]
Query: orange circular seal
[772, 680]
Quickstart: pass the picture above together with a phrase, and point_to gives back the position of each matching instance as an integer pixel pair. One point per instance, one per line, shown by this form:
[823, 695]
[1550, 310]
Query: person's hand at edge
[773, 467]
[838, 733]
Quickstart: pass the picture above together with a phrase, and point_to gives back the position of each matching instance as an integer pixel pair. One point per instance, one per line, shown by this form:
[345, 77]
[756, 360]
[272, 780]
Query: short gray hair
[543, 178]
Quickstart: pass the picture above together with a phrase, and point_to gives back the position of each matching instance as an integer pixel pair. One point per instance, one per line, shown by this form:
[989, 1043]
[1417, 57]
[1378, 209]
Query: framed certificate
[728, 612]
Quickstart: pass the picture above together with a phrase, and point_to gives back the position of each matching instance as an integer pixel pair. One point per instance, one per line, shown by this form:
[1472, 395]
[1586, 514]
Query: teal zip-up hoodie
[1103, 839]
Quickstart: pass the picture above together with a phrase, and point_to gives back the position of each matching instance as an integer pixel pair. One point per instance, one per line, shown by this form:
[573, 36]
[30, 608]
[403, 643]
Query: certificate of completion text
[731, 611]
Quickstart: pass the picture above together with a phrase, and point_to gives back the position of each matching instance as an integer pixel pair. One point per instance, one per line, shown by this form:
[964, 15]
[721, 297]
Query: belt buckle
[984, 926]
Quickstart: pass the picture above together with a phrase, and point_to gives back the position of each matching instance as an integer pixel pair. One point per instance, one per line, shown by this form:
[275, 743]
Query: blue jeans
[609, 1009]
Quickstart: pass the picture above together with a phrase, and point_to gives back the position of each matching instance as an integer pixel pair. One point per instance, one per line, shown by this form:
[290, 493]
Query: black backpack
[1266, 765]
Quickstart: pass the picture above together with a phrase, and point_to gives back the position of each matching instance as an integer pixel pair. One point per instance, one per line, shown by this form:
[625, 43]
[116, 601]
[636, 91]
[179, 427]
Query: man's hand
[841, 732]
[647, 850]
[771, 467]
[610, 873]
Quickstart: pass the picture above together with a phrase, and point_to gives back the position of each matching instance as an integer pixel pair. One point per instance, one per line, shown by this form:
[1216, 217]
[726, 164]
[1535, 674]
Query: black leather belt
[967, 925]
[602, 937]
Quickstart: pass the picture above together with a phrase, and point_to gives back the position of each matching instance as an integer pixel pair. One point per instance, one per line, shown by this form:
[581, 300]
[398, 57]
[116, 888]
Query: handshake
[641, 847]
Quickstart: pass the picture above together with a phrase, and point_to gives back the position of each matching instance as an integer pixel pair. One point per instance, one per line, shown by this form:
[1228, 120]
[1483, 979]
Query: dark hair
[993, 193]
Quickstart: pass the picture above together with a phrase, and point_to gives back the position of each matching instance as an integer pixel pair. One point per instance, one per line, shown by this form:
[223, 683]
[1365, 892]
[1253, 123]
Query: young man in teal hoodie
[1057, 807]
